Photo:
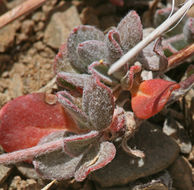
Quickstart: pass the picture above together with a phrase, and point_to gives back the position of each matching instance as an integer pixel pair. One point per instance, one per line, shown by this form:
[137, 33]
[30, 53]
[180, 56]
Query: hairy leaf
[26, 119]
[97, 157]
[128, 80]
[113, 42]
[92, 50]
[73, 82]
[99, 69]
[77, 114]
[81, 34]
[185, 86]
[98, 104]
[130, 30]
[77, 144]
[61, 60]
[162, 14]
[57, 164]
[188, 30]
[152, 57]
[118, 120]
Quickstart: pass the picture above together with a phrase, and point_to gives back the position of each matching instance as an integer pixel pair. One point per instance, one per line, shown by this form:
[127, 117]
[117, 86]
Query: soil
[27, 50]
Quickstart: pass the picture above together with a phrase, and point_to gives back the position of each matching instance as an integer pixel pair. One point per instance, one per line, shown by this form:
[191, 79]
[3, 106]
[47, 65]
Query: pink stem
[30, 153]
[180, 56]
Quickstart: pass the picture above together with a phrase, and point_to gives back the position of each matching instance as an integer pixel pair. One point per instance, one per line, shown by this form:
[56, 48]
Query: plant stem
[30, 153]
[185, 86]
[156, 33]
[20, 10]
[180, 56]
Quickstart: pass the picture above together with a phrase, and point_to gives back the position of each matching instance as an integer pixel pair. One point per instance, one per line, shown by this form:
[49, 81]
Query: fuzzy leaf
[92, 50]
[56, 164]
[153, 58]
[185, 86]
[26, 119]
[151, 96]
[77, 144]
[98, 104]
[162, 14]
[118, 120]
[73, 82]
[61, 60]
[97, 157]
[77, 114]
[128, 80]
[113, 43]
[130, 30]
[81, 34]
[100, 70]
[188, 30]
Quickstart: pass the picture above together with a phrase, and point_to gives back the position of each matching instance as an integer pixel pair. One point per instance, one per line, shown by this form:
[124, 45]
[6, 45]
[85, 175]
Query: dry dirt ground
[27, 49]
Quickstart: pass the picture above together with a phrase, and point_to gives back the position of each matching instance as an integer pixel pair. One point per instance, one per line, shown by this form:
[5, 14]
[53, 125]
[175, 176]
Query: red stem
[180, 56]
[30, 153]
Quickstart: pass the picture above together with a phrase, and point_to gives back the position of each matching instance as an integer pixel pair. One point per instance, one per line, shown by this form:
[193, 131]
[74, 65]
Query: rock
[4, 172]
[4, 83]
[151, 186]
[191, 156]
[39, 46]
[59, 27]
[27, 170]
[39, 26]
[16, 86]
[112, 188]
[27, 27]
[154, 185]
[38, 16]
[18, 183]
[124, 169]
[160, 181]
[80, 5]
[89, 17]
[108, 21]
[4, 61]
[174, 129]
[3, 99]
[105, 9]
[48, 6]
[88, 185]
[92, 2]
[39, 35]
[181, 174]
[193, 175]
[3, 7]
[7, 36]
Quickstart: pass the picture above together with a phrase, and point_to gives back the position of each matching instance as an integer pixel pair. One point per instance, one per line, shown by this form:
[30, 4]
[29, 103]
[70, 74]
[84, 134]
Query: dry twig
[20, 10]
[49, 185]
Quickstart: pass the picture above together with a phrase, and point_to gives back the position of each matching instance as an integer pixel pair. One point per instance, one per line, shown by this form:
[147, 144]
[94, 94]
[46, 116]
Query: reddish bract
[26, 119]
[151, 96]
